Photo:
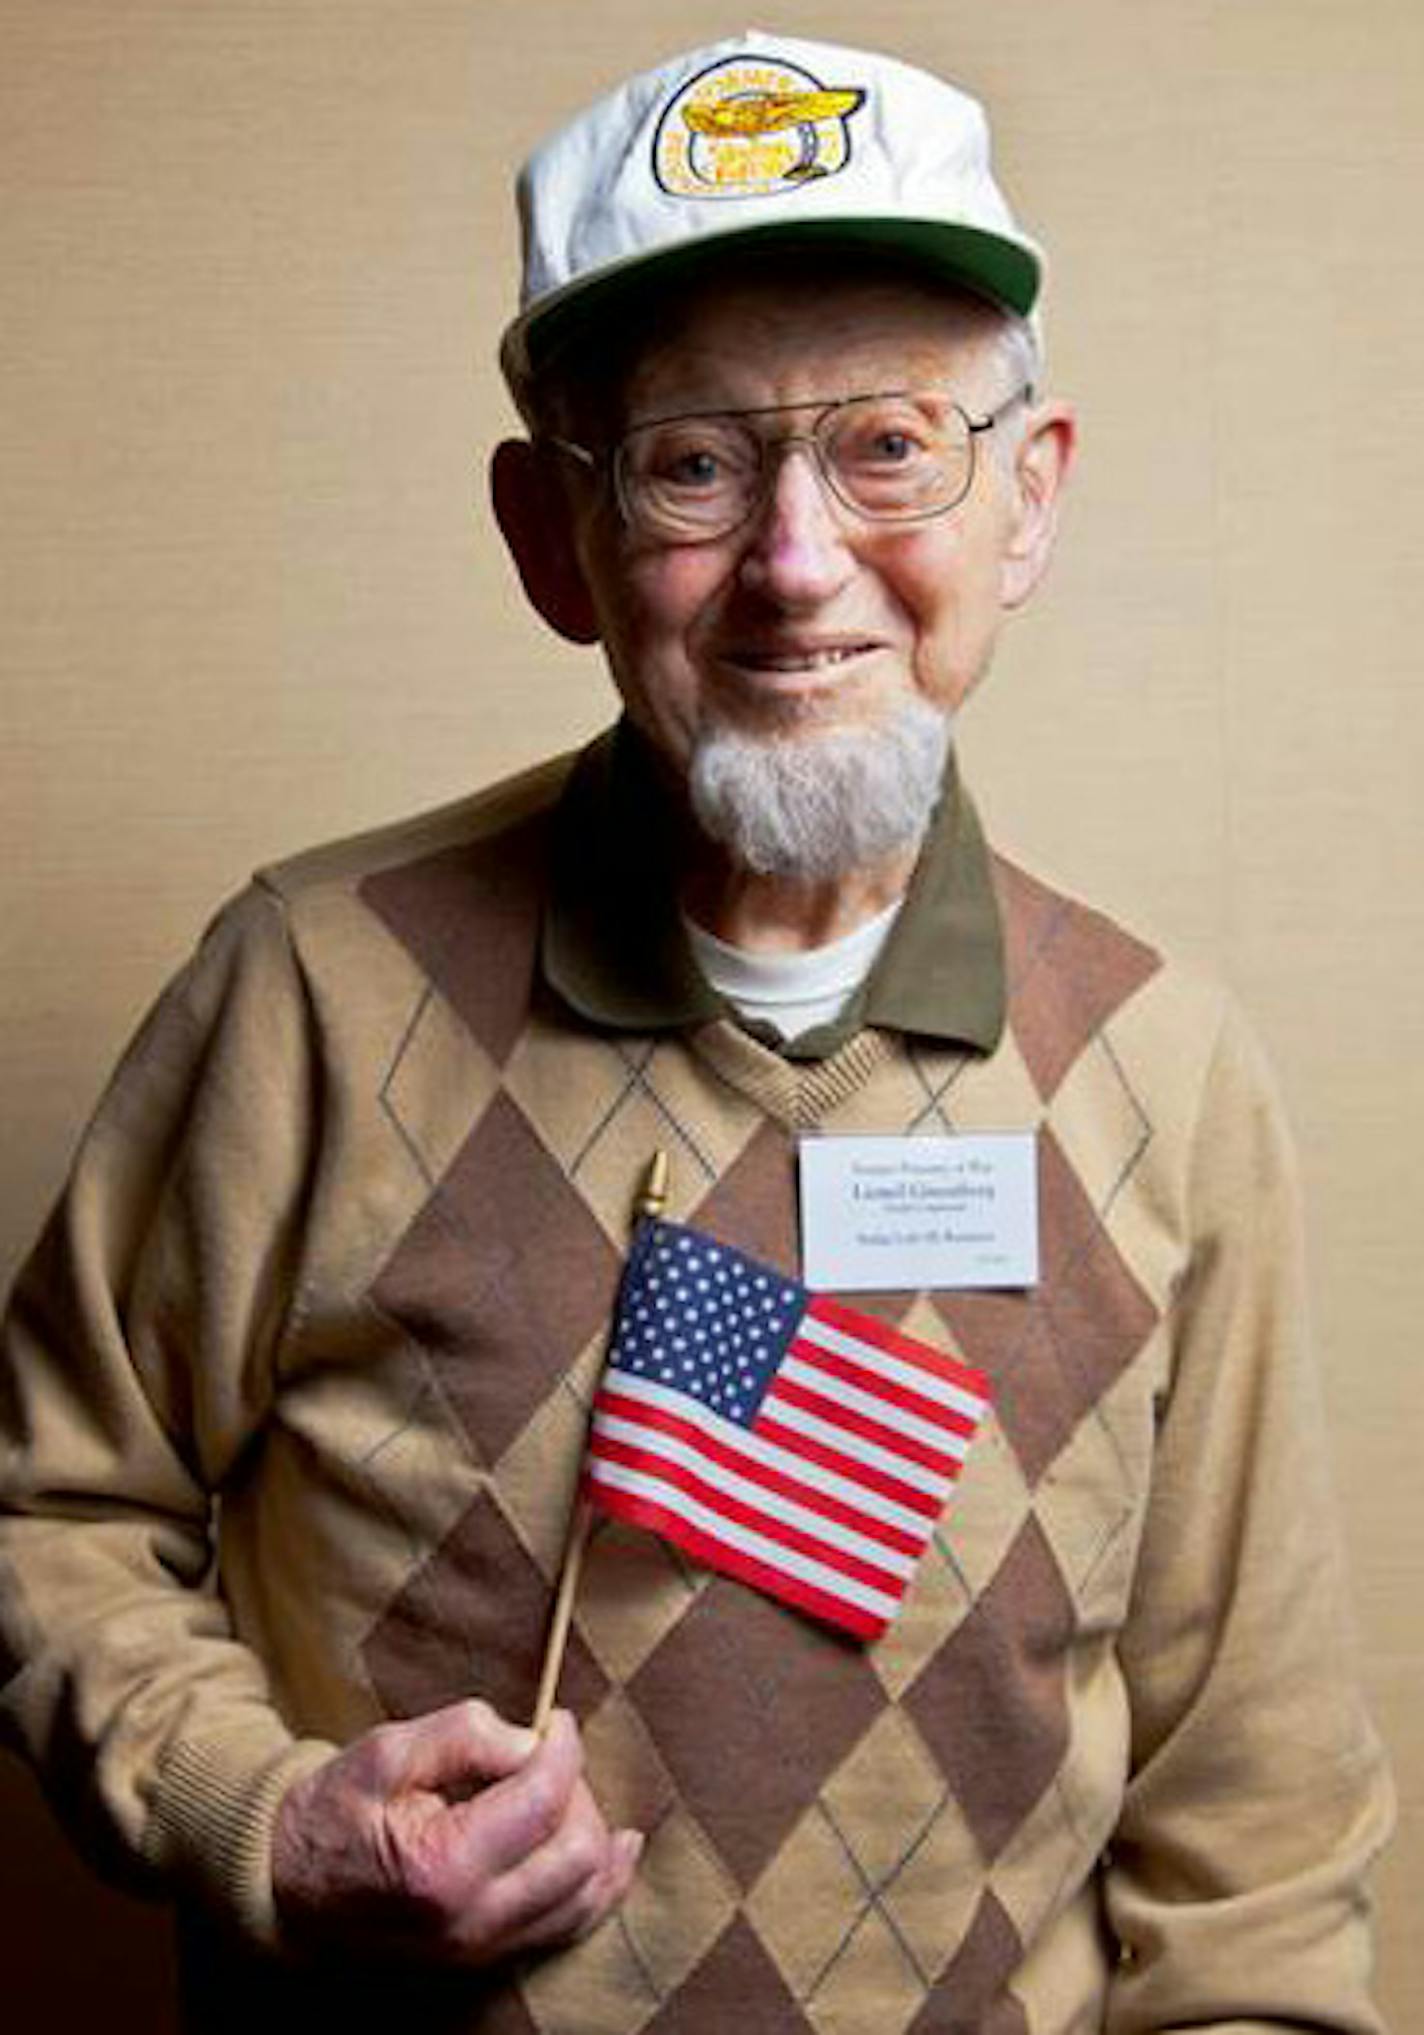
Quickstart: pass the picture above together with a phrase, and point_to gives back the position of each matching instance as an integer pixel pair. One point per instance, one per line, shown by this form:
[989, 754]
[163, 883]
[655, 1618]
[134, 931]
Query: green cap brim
[1008, 273]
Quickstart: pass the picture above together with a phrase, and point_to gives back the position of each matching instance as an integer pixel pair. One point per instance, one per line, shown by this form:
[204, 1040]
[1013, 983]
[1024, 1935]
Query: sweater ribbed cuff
[211, 1818]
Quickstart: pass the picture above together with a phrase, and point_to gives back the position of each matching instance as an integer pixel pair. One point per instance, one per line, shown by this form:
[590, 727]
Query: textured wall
[254, 261]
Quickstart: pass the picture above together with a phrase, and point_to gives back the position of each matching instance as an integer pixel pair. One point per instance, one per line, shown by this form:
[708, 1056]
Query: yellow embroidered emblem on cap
[749, 127]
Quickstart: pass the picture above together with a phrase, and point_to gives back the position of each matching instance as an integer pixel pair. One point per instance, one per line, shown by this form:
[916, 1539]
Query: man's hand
[457, 1838]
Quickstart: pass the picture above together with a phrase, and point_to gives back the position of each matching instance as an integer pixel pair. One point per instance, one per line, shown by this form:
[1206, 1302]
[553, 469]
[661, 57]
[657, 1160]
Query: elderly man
[298, 1377]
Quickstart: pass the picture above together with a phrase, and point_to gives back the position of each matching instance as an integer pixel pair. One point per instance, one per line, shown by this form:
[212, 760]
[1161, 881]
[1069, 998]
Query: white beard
[816, 804]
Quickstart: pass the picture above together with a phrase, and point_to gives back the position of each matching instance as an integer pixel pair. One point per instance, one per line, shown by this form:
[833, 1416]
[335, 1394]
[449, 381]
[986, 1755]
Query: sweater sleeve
[1258, 1793]
[137, 1361]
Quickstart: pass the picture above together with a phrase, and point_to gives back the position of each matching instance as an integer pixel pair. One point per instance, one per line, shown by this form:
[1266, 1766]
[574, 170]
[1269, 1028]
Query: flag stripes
[804, 1434]
[857, 1413]
[762, 1454]
[702, 1527]
[815, 1416]
[776, 1578]
[933, 1385]
[688, 1456]
[829, 1553]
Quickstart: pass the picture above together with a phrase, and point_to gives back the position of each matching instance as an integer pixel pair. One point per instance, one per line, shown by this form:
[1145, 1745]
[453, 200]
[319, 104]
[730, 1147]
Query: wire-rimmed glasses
[895, 456]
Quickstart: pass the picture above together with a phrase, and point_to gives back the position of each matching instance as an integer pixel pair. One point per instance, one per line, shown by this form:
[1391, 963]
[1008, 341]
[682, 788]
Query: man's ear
[1041, 464]
[535, 515]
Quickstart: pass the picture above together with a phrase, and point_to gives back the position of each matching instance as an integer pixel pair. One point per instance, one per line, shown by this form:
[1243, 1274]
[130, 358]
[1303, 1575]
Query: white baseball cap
[759, 138]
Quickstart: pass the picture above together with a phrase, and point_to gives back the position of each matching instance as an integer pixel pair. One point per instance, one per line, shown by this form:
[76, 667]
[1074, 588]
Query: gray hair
[1019, 344]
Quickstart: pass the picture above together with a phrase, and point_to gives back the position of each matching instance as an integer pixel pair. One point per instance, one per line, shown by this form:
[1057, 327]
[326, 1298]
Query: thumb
[450, 1751]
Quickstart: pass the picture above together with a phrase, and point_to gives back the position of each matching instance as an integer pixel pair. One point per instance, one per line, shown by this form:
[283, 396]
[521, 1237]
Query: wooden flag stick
[563, 1612]
[650, 1202]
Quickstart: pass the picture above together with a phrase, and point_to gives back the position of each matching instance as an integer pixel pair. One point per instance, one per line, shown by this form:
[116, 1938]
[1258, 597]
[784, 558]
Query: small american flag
[777, 1435]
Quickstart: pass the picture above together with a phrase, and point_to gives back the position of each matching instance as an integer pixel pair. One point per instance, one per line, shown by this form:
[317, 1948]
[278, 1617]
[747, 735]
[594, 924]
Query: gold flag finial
[653, 1199]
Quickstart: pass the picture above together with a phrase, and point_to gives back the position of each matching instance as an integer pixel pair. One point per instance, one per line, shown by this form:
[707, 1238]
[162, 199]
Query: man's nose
[796, 544]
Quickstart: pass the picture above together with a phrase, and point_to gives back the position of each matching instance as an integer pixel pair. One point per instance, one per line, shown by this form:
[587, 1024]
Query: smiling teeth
[804, 660]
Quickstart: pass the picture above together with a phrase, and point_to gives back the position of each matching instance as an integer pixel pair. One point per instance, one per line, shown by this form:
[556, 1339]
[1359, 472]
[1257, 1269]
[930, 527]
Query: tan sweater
[340, 1247]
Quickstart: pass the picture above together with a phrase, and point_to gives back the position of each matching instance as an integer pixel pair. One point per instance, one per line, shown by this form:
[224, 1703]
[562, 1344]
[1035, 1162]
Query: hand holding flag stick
[650, 1203]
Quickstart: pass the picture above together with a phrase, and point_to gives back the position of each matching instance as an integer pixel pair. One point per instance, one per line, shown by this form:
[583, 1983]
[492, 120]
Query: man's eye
[875, 444]
[692, 467]
[690, 460]
[893, 447]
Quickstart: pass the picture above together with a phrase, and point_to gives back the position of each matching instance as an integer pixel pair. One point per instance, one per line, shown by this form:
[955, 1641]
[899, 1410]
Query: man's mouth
[798, 661]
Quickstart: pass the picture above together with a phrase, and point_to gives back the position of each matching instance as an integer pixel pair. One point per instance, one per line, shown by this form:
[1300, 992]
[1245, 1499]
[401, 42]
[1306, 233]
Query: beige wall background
[253, 262]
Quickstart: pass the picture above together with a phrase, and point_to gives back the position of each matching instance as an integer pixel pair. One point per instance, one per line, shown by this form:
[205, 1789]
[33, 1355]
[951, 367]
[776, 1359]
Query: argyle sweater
[340, 1249]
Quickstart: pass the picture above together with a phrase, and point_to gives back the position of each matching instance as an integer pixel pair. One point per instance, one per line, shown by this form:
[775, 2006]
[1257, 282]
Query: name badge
[884, 1213]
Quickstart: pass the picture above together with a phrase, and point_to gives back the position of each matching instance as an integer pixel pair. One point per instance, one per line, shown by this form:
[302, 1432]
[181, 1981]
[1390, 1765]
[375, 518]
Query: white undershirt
[792, 992]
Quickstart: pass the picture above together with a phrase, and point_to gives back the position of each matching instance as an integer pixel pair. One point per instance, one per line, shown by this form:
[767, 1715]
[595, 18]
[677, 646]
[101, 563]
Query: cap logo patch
[750, 126]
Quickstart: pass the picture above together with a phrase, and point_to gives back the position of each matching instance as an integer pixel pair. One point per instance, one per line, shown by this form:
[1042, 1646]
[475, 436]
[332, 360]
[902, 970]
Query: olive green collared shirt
[614, 946]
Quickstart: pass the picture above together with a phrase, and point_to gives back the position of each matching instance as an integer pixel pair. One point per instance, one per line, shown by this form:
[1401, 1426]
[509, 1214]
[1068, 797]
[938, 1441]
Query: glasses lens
[893, 456]
[689, 477]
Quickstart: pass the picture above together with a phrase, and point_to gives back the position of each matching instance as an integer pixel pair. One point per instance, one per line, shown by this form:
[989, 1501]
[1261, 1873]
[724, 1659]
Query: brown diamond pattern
[1068, 970]
[992, 1705]
[1054, 1351]
[681, 1900]
[972, 1998]
[754, 1208]
[933, 1895]
[937, 1599]
[471, 1622]
[753, 1205]
[779, 1702]
[872, 1982]
[431, 906]
[1049, 1856]
[570, 1085]
[809, 1901]
[502, 1279]
[634, 1789]
[597, 1986]
[735, 1969]
[884, 1790]
[635, 1586]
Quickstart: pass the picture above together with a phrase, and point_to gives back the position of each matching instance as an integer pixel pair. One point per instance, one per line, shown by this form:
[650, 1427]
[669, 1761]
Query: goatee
[814, 804]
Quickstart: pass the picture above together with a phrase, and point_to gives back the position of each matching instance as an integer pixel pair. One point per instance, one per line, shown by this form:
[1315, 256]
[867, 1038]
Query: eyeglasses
[900, 456]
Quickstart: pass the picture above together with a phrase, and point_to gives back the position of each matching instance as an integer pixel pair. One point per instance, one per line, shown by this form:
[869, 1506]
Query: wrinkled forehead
[743, 330]
[774, 339]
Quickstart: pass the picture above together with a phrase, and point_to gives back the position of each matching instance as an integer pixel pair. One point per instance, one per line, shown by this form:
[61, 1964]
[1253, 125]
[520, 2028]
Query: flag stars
[701, 1318]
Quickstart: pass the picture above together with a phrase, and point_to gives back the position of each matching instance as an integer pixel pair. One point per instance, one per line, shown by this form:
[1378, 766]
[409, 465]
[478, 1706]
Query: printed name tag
[884, 1213]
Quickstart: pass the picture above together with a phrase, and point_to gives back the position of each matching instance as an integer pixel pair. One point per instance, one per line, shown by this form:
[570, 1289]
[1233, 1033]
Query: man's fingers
[532, 1921]
[455, 1835]
[449, 1751]
[518, 1815]
[581, 1911]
